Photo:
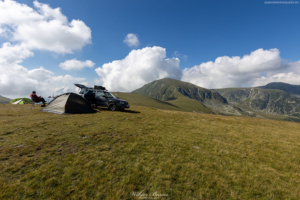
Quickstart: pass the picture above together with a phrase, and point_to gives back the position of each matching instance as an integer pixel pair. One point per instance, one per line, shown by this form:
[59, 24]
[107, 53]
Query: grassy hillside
[141, 100]
[169, 89]
[110, 155]
[180, 103]
[163, 89]
[188, 104]
[4, 100]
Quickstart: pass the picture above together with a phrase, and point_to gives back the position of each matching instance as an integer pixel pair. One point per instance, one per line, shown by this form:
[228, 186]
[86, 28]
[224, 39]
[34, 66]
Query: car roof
[80, 85]
[95, 88]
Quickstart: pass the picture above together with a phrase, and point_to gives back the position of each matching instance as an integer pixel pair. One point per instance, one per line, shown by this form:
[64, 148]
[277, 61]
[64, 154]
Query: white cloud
[148, 64]
[62, 90]
[16, 80]
[291, 76]
[234, 71]
[42, 28]
[13, 53]
[76, 64]
[179, 55]
[185, 57]
[132, 40]
[176, 54]
[138, 68]
[40, 74]
[66, 79]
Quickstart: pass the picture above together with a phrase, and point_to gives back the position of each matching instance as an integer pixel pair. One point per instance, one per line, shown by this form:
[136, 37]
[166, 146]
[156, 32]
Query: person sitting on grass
[37, 99]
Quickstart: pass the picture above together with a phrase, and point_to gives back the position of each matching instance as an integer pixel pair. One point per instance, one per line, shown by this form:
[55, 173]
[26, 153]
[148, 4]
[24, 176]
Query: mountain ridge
[169, 90]
[288, 88]
[254, 101]
[4, 99]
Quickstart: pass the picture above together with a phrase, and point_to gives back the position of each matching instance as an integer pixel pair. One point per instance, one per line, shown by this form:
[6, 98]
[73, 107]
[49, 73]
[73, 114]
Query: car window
[99, 94]
[82, 91]
[109, 95]
[89, 92]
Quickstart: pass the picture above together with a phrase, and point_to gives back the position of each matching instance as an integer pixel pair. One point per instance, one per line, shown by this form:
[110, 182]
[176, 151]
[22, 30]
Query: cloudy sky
[48, 46]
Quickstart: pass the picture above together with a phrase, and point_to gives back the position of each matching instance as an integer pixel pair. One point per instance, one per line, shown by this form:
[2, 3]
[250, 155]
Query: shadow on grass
[173, 98]
[124, 111]
[130, 111]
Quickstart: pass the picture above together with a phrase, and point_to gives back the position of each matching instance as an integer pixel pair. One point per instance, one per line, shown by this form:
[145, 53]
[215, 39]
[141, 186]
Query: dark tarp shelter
[69, 103]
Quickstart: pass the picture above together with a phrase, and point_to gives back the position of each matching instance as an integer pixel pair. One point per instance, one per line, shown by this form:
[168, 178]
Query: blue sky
[203, 30]
[198, 31]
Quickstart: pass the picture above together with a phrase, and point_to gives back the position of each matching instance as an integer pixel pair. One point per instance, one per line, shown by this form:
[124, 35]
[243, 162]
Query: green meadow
[146, 151]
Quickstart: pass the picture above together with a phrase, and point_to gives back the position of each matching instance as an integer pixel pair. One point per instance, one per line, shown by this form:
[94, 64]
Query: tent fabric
[21, 101]
[17, 102]
[69, 103]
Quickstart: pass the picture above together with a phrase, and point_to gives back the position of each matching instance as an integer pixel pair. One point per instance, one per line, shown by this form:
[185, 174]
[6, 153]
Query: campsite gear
[32, 102]
[69, 103]
[99, 96]
[20, 101]
[37, 99]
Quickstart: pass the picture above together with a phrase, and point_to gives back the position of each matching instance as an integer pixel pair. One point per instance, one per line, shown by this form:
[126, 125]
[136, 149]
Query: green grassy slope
[188, 104]
[4, 99]
[181, 103]
[163, 89]
[167, 89]
[141, 100]
[110, 155]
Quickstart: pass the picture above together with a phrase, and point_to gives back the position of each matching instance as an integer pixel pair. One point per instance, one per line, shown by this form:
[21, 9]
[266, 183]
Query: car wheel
[112, 107]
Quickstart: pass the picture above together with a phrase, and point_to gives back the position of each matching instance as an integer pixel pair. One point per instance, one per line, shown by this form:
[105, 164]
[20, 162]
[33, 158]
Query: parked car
[99, 96]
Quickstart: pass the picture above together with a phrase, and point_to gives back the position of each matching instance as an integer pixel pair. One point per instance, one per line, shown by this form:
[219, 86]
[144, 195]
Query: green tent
[21, 101]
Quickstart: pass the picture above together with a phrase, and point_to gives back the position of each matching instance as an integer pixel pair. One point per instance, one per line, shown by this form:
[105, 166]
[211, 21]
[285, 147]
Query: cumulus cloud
[291, 76]
[138, 68]
[76, 64]
[19, 81]
[13, 53]
[148, 64]
[38, 28]
[235, 71]
[42, 28]
[16, 80]
[132, 40]
[62, 90]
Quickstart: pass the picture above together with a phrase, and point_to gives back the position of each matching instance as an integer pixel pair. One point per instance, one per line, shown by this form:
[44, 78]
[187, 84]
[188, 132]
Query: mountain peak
[174, 90]
[288, 88]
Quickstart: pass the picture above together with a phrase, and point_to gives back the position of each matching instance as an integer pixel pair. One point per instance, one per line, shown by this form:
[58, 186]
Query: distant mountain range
[290, 89]
[4, 99]
[273, 101]
[263, 101]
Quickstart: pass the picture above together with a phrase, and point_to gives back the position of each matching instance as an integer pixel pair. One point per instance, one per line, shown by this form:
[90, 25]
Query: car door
[89, 95]
[100, 99]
